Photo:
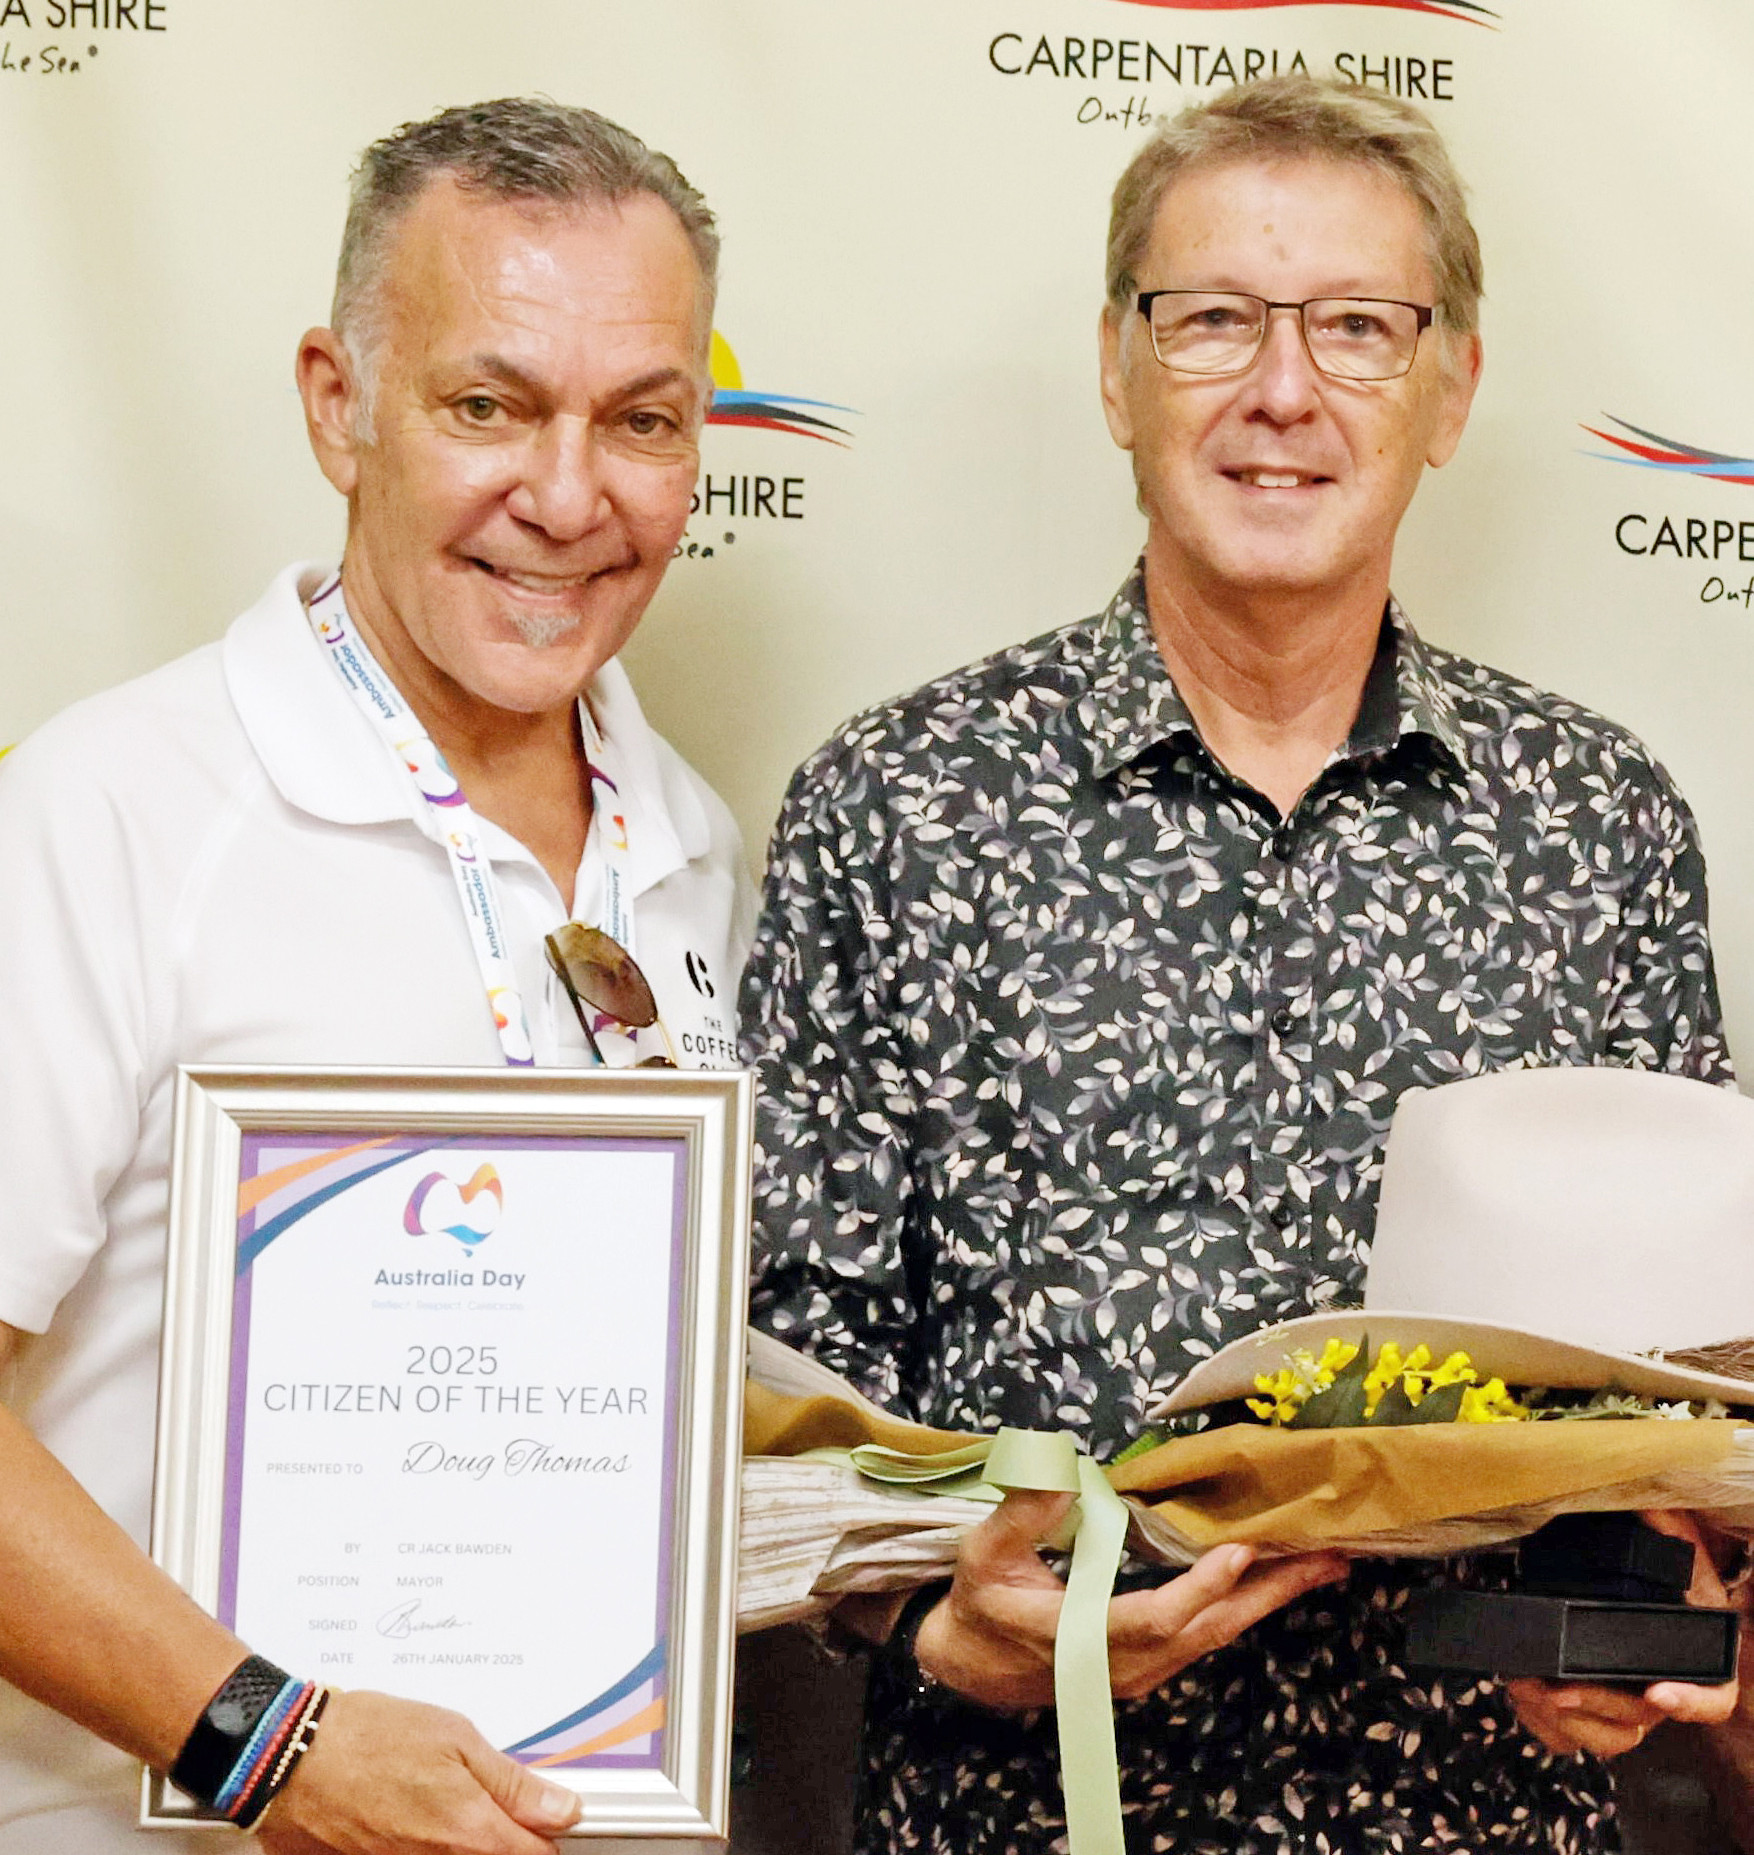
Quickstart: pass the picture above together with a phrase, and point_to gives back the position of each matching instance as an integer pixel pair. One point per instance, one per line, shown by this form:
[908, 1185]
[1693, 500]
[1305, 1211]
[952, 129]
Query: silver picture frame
[684, 1802]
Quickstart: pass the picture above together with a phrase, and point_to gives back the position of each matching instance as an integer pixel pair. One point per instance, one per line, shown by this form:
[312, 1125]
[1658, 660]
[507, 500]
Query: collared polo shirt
[222, 863]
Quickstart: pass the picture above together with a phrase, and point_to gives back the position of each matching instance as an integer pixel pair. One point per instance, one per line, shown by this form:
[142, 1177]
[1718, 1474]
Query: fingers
[1265, 1589]
[992, 1638]
[396, 1777]
[1694, 1703]
[1006, 1546]
[1002, 1587]
[1611, 1721]
[1697, 1705]
[1144, 1620]
[1581, 1717]
[542, 1807]
[1584, 1700]
[1155, 1634]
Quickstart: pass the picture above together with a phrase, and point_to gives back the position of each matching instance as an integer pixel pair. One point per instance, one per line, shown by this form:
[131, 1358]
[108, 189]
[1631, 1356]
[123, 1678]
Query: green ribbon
[956, 1471]
[1083, 1700]
[1047, 1462]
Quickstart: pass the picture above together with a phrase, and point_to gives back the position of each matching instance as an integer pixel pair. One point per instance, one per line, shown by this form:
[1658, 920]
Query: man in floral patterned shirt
[1089, 978]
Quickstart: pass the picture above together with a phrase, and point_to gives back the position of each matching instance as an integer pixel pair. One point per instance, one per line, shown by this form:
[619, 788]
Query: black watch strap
[899, 1649]
[217, 1740]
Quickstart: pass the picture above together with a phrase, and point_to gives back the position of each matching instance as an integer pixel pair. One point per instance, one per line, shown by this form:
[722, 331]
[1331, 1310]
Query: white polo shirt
[222, 863]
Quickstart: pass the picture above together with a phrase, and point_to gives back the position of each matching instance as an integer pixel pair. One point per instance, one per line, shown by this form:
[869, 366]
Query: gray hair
[514, 148]
[1295, 116]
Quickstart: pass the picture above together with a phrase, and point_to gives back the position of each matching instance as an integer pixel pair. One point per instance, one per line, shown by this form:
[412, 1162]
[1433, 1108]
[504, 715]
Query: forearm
[88, 1624]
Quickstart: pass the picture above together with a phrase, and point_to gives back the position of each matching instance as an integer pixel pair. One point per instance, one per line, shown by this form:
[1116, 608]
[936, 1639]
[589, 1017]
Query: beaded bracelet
[258, 1756]
[254, 1805]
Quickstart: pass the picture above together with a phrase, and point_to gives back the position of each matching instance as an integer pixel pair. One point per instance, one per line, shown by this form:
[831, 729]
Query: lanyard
[471, 869]
[609, 821]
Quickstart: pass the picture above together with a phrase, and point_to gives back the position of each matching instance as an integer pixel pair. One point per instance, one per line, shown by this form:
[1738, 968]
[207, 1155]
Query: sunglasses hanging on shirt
[599, 973]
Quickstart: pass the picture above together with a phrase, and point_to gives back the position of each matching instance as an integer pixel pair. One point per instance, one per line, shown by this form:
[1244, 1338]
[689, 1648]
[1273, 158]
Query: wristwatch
[899, 1649]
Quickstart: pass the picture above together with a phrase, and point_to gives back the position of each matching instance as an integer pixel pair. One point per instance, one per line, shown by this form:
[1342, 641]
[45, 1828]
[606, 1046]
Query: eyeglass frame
[1426, 312]
[558, 966]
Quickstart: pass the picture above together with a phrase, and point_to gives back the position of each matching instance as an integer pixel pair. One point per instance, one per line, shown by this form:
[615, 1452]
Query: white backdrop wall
[913, 195]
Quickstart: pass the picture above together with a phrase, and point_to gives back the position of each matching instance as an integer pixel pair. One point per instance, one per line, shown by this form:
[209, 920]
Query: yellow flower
[1336, 1357]
[1388, 1367]
[1491, 1403]
[1285, 1392]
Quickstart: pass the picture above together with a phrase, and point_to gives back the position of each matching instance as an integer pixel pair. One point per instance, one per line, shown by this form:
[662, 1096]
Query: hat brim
[1510, 1353]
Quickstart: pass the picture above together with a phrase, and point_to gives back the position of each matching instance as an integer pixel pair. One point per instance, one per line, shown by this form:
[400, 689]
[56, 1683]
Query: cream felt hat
[1558, 1225]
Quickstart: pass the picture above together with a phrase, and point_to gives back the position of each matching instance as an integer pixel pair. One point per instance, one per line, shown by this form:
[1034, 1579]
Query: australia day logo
[470, 1212]
[763, 492]
[1656, 534]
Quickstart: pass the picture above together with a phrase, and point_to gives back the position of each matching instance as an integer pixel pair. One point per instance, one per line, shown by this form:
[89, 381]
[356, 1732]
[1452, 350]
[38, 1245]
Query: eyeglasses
[1221, 332]
[600, 973]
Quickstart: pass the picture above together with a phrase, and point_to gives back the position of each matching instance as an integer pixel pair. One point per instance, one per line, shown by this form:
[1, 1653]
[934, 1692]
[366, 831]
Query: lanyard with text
[382, 704]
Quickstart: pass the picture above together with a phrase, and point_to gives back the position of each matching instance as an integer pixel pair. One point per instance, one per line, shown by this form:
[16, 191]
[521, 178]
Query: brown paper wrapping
[775, 1425]
[1251, 1483]
[1246, 1484]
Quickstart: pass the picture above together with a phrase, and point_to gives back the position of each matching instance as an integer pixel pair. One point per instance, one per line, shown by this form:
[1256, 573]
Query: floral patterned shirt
[1077, 1062]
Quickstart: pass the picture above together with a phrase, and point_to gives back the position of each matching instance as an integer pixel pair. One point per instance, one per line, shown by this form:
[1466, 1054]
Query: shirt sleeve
[833, 1189]
[73, 1056]
[1663, 1011]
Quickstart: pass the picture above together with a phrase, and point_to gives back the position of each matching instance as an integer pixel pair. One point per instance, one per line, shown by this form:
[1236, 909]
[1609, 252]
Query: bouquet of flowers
[1400, 1453]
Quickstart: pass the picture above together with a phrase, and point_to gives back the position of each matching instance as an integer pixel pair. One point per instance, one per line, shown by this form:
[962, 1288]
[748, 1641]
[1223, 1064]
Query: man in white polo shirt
[260, 854]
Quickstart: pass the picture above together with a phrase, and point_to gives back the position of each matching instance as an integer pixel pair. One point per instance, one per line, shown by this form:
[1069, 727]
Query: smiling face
[541, 384]
[1280, 480]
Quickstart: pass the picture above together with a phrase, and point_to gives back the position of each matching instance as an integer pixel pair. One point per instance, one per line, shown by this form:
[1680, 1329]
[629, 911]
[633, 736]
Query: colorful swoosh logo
[469, 1212]
[627, 1719]
[1650, 451]
[773, 412]
[1440, 9]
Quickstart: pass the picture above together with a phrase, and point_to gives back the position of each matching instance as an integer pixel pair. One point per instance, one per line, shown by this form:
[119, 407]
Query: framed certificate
[450, 1406]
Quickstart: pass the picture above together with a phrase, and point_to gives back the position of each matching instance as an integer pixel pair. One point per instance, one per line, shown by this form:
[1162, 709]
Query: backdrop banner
[907, 466]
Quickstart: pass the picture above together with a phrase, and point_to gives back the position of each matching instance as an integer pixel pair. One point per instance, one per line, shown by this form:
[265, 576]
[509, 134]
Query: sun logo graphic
[768, 412]
[1648, 451]
[469, 1212]
[1440, 9]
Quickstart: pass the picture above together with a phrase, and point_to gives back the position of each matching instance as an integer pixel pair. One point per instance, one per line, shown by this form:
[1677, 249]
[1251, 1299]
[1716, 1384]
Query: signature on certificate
[405, 1621]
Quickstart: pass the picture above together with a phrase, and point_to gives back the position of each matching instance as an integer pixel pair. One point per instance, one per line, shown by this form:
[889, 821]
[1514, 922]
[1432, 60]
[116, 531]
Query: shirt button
[1282, 1216]
[1283, 846]
[1283, 1021]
